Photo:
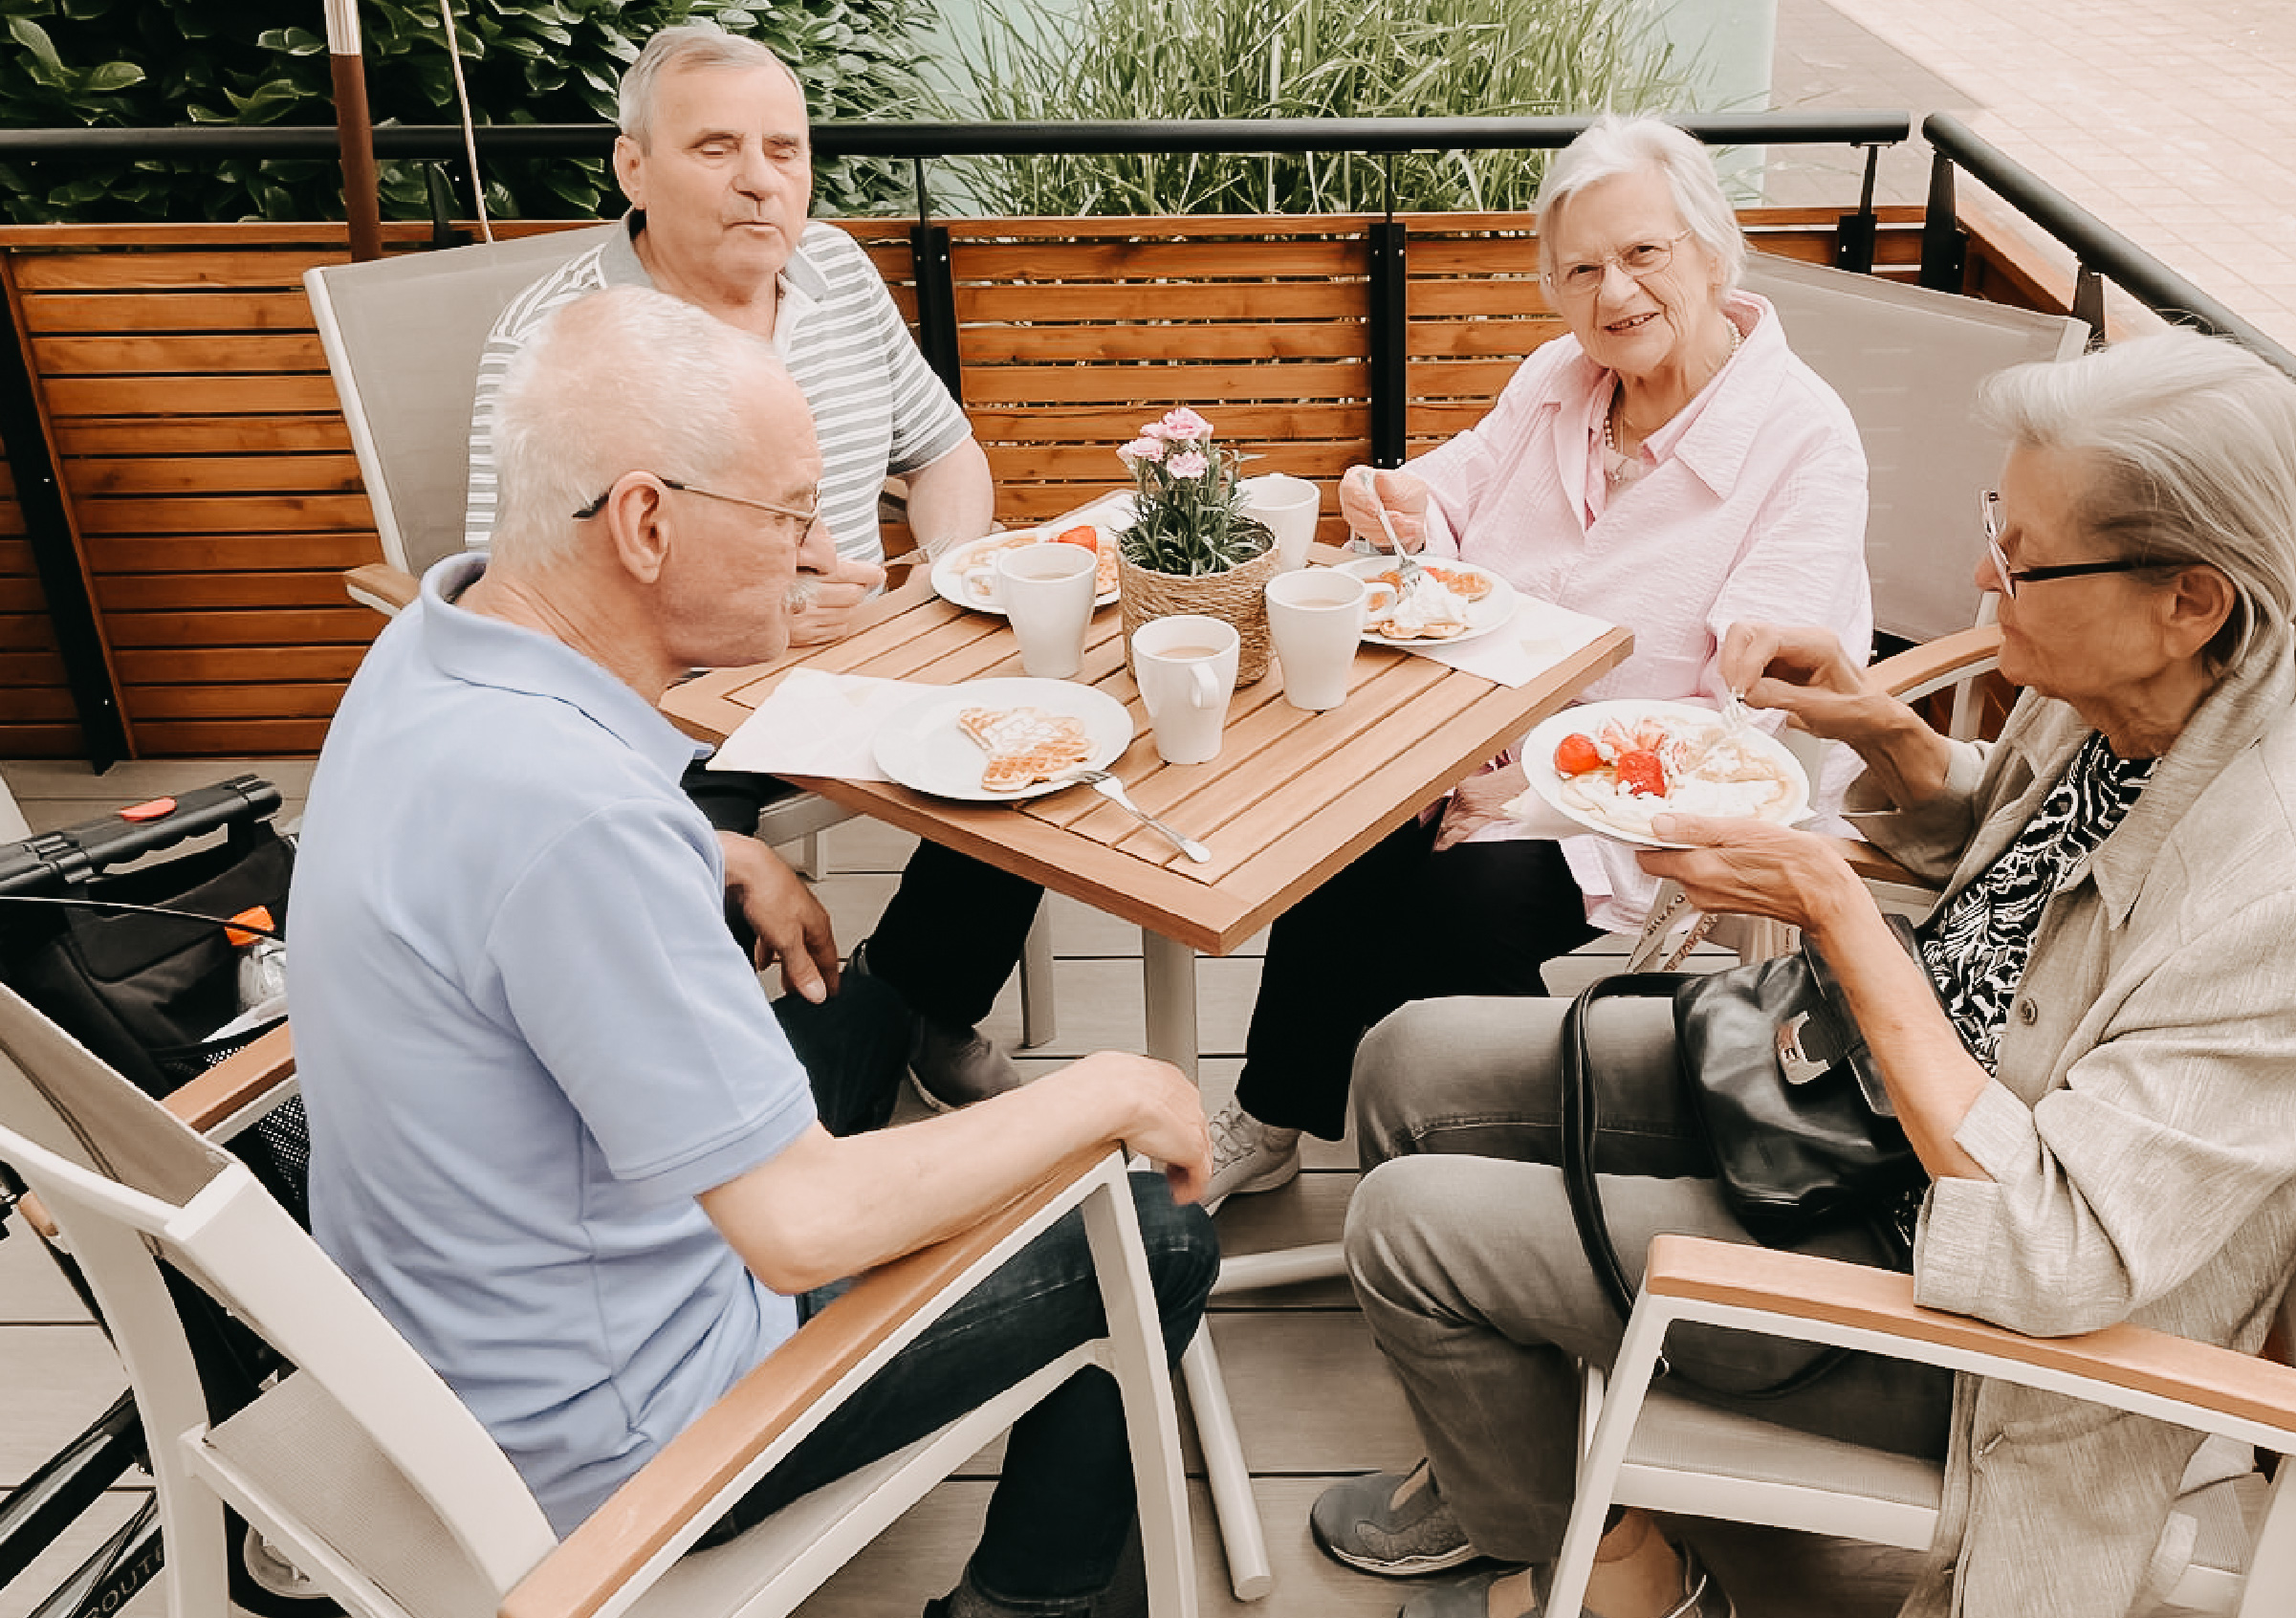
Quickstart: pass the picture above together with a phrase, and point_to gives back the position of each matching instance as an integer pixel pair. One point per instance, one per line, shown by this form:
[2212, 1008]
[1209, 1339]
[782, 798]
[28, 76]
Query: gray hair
[689, 46]
[1613, 145]
[2192, 444]
[625, 380]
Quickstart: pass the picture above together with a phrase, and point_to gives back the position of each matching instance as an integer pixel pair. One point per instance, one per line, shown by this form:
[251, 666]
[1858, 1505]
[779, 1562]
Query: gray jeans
[1462, 1250]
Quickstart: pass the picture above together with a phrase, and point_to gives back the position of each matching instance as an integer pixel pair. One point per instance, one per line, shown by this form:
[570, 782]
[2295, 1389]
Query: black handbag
[1803, 1136]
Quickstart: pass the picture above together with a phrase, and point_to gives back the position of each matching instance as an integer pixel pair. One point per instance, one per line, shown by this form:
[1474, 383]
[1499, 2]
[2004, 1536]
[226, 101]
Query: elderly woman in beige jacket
[2094, 1058]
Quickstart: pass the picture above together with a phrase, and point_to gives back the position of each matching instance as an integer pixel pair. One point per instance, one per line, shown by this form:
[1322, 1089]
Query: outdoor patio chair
[364, 1469]
[402, 337]
[1652, 1448]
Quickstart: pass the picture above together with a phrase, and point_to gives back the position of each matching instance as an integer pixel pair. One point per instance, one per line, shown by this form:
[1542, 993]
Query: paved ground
[2170, 119]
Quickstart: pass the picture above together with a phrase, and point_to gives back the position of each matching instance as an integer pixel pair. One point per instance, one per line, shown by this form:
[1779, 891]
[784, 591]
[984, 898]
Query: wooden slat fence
[216, 500]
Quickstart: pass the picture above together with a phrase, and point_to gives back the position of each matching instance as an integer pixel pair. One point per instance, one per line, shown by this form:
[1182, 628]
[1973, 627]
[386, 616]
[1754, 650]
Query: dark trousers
[1400, 923]
[1064, 1503]
[952, 932]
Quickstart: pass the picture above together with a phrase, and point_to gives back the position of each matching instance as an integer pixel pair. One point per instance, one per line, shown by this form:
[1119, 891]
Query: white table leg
[1169, 987]
[1168, 973]
[1224, 1471]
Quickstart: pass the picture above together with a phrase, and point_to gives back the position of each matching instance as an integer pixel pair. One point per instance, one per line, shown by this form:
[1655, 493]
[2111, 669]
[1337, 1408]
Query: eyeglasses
[1641, 260]
[805, 516]
[1989, 510]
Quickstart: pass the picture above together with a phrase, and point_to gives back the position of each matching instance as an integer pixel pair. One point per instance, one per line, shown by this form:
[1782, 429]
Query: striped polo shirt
[877, 407]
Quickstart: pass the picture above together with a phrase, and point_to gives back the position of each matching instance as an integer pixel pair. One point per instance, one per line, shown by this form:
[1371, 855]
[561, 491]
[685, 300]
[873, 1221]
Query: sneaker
[1396, 1527]
[1248, 1156]
[949, 1067]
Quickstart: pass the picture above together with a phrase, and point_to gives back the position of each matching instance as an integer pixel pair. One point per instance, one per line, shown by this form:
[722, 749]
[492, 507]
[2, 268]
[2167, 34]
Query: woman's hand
[1404, 496]
[1752, 867]
[1806, 673]
[1478, 800]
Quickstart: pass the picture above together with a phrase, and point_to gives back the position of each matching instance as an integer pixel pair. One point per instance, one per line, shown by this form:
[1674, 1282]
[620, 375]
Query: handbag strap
[1580, 1113]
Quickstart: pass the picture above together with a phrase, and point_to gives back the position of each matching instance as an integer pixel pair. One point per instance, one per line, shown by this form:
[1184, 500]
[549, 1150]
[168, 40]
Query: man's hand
[1478, 801]
[822, 604]
[1164, 1116]
[1405, 497]
[791, 925]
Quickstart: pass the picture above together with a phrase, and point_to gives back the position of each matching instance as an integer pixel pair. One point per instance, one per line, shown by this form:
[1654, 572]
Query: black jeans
[950, 937]
[1400, 923]
[1063, 1504]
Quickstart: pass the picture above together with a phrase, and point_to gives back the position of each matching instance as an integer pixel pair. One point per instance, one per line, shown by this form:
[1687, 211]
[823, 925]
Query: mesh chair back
[402, 338]
[1908, 363]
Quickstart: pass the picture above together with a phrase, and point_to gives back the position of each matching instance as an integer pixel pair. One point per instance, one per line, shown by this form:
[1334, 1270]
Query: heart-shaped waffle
[1024, 745]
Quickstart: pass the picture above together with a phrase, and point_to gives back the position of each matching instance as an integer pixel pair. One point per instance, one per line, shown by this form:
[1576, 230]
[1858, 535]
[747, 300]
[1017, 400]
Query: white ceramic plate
[1628, 820]
[922, 748]
[959, 574]
[1482, 617]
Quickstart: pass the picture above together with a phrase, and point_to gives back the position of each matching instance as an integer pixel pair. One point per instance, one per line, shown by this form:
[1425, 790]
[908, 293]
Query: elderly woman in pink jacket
[1667, 466]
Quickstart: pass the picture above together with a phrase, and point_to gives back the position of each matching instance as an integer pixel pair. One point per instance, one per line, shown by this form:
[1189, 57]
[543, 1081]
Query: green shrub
[156, 63]
[1127, 59]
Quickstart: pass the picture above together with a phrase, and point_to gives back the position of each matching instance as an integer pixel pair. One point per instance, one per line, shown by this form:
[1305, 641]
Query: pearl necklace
[1620, 469]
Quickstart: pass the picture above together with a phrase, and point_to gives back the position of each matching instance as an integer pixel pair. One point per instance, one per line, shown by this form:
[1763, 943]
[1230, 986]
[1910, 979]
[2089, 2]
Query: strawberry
[1575, 753]
[1084, 534]
[1643, 773]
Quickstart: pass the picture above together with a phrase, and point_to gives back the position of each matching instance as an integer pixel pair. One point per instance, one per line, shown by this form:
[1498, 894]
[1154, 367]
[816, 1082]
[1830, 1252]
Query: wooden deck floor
[1312, 1399]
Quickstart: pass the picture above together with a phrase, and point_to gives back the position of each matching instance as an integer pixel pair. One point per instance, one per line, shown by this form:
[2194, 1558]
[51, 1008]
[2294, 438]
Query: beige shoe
[1248, 1156]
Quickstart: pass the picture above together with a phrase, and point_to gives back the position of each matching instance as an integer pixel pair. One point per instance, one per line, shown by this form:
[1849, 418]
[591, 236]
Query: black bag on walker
[150, 994]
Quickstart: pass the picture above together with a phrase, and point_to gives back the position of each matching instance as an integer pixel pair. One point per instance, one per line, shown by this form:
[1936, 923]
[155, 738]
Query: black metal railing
[2100, 253]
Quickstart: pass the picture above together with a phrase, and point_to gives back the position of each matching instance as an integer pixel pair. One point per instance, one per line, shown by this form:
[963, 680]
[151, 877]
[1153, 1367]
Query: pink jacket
[1758, 511]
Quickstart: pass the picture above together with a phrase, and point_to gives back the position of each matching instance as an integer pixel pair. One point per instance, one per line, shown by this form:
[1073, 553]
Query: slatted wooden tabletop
[1291, 798]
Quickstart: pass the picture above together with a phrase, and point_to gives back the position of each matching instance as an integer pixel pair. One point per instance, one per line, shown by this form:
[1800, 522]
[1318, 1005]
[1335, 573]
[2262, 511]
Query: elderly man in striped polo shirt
[716, 161]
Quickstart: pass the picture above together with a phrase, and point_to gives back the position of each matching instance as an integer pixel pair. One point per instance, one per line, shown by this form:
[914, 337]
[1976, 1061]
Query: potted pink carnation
[1190, 547]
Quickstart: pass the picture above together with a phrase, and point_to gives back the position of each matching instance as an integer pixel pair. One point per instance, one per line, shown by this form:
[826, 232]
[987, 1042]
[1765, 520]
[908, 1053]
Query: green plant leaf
[35, 38]
[110, 77]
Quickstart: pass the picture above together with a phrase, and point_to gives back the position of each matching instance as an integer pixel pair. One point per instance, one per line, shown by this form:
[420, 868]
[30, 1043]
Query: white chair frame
[1822, 1486]
[366, 1472]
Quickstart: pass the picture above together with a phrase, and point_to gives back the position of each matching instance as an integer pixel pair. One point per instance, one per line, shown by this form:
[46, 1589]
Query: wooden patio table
[1291, 799]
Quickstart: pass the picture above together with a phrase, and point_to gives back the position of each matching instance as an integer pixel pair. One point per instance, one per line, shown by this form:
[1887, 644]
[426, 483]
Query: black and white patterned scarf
[1975, 948]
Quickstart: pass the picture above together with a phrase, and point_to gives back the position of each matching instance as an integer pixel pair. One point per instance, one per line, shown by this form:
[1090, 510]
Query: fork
[1112, 789]
[1406, 565]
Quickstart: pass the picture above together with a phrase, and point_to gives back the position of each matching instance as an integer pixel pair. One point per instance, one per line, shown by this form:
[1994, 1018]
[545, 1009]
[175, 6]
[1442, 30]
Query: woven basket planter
[1237, 597]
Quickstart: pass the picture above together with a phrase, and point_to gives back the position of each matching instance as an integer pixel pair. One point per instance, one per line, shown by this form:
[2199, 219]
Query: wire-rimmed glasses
[805, 516]
[1641, 260]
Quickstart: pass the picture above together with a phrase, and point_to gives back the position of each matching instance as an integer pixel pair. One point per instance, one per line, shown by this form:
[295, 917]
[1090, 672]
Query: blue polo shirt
[527, 1042]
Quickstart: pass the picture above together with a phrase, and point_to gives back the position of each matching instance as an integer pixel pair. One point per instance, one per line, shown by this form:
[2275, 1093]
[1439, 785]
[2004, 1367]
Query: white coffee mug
[1316, 619]
[1046, 590]
[1289, 506]
[1186, 668]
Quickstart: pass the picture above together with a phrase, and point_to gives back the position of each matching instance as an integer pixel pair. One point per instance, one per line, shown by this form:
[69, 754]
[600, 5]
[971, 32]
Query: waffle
[1024, 745]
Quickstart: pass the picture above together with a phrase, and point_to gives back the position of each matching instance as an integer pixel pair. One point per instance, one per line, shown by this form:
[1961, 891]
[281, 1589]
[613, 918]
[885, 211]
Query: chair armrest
[389, 590]
[1870, 862]
[1922, 669]
[252, 1079]
[672, 1490]
[1795, 1287]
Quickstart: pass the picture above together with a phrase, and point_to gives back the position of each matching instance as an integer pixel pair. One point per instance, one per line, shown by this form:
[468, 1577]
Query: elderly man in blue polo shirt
[558, 1134]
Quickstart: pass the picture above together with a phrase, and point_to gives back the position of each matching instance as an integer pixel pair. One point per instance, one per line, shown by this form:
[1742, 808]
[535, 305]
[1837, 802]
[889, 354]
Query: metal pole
[354, 131]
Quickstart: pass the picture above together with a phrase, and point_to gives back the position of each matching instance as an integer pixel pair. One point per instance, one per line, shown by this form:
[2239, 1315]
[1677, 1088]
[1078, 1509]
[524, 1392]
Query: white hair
[625, 380]
[2192, 444]
[1612, 146]
[688, 47]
